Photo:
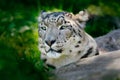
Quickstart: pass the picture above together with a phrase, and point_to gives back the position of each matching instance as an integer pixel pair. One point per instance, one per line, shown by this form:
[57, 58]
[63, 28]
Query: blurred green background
[19, 54]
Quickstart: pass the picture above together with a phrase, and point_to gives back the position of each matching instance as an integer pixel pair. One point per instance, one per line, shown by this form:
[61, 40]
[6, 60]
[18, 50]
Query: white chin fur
[53, 54]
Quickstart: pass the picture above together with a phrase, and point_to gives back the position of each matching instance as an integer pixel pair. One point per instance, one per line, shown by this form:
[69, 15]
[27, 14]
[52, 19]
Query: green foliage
[12, 67]
[19, 54]
[100, 25]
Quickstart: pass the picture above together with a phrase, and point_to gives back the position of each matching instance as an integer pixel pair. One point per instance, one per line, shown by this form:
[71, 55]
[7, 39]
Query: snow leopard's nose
[50, 42]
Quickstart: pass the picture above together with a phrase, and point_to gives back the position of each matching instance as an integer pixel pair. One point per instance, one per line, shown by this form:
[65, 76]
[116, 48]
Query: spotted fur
[62, 39]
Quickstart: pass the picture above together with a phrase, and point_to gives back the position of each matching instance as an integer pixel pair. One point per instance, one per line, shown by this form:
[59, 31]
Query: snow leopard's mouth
[51, 53]
[53, 50]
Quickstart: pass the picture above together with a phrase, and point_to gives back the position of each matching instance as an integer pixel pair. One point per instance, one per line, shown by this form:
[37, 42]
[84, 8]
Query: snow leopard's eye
[44, 28]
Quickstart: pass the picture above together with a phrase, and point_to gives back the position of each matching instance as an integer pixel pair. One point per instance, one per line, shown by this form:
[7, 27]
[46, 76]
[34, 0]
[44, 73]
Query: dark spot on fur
[73, 35]
[60, 51]
[79, 31]
[74, 31]
[65, 22]
[89, 51]
[97, 52]
[77, 46]
[79, 52]
[51, 66]
[41, 46]
[79, 34]
[59, 33]
[70, 50]
[79, 42]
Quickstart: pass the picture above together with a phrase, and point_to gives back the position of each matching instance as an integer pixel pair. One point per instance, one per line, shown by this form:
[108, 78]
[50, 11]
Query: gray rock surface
[109, 42]
[101, 67]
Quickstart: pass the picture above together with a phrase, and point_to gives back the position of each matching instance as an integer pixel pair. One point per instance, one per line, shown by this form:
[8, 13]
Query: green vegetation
[19, 54]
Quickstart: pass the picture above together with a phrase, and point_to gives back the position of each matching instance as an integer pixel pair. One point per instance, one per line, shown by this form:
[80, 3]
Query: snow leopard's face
[59, 33]
[62, 39]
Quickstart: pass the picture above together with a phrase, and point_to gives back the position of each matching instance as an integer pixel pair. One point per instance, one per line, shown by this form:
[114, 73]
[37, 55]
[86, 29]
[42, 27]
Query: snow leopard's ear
[82, 17]
[42, 15]
[69, 15]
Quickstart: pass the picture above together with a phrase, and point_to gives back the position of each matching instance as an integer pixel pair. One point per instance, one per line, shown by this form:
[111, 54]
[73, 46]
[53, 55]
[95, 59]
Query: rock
[109, 42]
[101, 67]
